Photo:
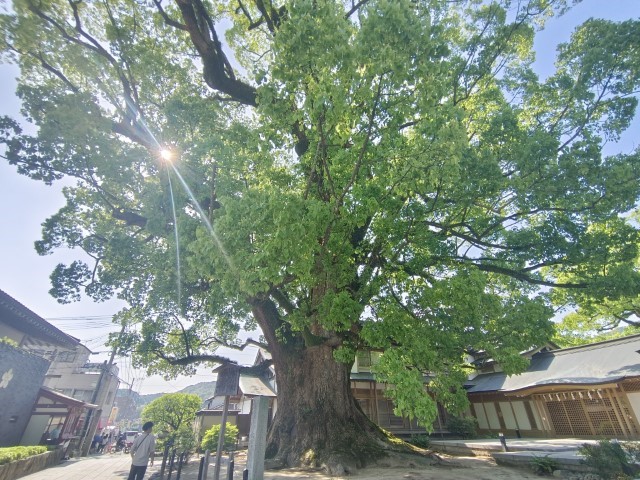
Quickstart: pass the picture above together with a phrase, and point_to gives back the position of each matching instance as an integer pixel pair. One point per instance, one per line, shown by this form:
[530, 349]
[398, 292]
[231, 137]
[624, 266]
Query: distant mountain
[203, 389]
[131, 403]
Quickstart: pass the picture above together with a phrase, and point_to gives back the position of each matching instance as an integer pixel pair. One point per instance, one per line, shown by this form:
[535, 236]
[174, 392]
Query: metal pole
[92, 420]
[201, 468]
[223, 425]
[503, 441]
[205, 471]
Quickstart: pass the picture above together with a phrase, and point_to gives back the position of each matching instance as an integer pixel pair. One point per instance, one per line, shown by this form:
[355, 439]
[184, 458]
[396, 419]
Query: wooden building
[370, 396]
[587, 391]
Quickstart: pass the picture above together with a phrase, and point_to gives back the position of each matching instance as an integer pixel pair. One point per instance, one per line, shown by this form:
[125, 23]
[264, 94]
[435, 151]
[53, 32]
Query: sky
[25, 204]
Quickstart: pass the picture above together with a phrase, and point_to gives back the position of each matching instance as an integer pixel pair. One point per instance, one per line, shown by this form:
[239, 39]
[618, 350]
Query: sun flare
[166, 155]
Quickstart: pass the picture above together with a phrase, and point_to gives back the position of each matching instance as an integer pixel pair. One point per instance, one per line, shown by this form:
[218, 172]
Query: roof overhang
[64, 399]
[17, 316]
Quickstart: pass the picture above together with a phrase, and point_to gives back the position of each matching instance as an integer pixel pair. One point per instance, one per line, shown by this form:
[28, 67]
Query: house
[240, 405]
[587, 391]
[72, 374]
[238, 414]
[370, 395]
[21, 377]
[41, 366]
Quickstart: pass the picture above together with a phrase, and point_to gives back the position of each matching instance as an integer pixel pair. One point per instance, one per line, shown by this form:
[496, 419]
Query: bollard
[230, 469]
[518, 434]
[503, 441]
[245, 474]
[201, 469]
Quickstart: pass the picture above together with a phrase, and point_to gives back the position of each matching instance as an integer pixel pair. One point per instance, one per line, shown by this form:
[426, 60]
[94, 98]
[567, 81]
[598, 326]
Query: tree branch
[218, 73]
[355, 7]
[167, 19]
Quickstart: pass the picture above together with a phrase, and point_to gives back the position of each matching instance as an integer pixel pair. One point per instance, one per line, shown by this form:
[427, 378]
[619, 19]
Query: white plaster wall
[634, 401]
[536, 415]
[480, 416]
[507, 416]
[521, 415]
[35, 429]
[492, 416]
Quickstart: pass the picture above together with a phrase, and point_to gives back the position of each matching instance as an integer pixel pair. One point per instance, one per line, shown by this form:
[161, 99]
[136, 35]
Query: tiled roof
[596, 363]
[17, 316]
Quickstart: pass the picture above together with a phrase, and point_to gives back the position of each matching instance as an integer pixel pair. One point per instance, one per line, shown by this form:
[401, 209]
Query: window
[364, 361]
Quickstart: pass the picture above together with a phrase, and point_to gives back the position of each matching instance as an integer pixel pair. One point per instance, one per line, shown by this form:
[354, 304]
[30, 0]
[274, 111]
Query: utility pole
[97, 399]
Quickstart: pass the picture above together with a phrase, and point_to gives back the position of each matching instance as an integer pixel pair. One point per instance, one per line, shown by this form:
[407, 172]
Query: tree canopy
[173, 415]
[373, 174]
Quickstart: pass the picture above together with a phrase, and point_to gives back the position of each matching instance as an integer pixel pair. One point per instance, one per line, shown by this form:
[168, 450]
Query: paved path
[100, 467]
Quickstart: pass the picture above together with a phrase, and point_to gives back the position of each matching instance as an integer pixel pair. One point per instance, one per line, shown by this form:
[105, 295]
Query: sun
[166, 155]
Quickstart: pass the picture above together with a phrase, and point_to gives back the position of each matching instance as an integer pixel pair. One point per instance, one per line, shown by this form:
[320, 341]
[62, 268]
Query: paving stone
[100, 467]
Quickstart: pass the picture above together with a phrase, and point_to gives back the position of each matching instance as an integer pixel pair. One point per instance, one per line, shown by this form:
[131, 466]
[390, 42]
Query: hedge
[11, 454]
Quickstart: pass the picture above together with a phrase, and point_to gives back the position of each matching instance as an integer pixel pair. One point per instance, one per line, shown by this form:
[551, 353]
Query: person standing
[142, 451]
[55, 435]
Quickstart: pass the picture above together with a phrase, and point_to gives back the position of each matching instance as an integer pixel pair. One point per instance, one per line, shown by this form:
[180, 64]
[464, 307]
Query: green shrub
[210, 439]
[544, 465]
[420, 441]
[11, 454]
[610, 459]
[465, 427]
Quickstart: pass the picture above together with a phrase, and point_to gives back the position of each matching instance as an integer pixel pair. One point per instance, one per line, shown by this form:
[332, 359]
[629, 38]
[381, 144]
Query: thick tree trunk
[318, 421]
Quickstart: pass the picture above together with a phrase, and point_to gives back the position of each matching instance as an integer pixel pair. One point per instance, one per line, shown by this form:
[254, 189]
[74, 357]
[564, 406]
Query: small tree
[173, 416]
[607, 458]
[465, 427]
[210, 439]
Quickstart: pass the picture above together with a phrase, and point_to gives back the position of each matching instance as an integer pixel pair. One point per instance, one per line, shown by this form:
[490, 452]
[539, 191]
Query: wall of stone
[21, 376]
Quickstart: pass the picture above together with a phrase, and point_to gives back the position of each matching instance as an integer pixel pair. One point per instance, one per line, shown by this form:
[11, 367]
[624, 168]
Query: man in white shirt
[141, 452]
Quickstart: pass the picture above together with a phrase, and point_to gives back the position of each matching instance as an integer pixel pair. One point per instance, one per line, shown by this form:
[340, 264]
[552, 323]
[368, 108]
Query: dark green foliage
[465, 427]
[420, 441]
[610, 459]
[544, 465]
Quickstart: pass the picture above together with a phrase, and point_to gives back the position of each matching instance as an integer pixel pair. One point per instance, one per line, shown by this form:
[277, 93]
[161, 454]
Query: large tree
[372, 174]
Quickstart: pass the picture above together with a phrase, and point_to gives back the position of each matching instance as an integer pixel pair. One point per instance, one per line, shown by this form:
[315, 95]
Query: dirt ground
[452, 468]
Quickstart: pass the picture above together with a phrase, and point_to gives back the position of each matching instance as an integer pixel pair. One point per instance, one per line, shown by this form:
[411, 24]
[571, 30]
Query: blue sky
[25, 204]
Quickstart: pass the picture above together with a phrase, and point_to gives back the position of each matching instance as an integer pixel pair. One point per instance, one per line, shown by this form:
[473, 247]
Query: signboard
[228, 380]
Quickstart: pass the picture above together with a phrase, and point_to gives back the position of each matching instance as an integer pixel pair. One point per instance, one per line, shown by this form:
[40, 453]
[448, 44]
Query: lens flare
[166, 154]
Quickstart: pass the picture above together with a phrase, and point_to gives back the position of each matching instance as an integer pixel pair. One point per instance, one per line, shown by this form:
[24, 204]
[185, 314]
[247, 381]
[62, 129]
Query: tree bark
[318, 421]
